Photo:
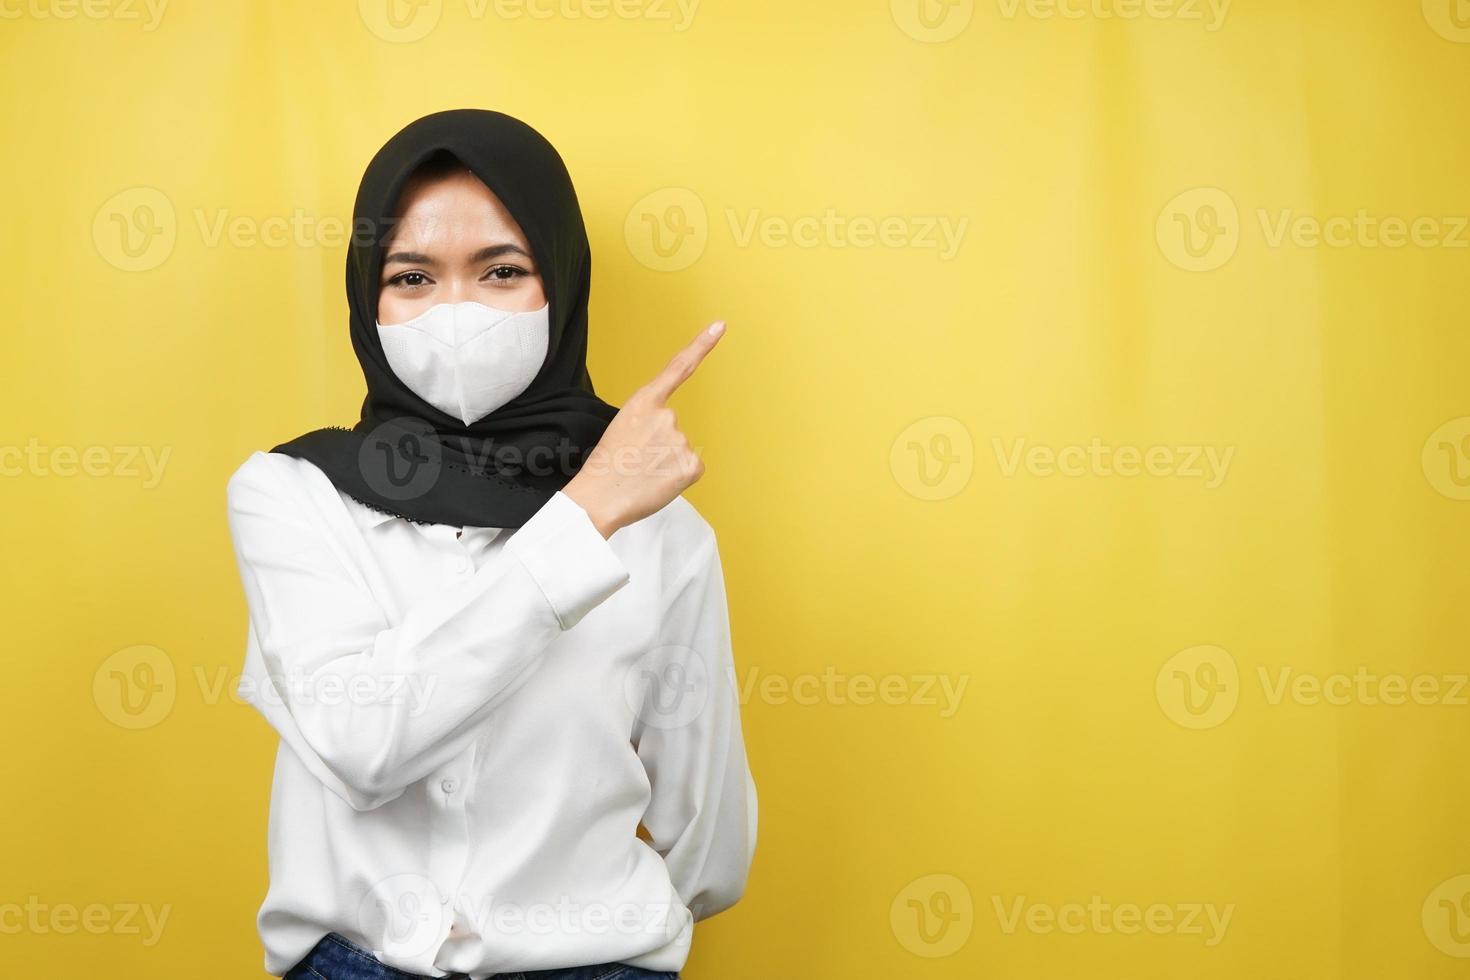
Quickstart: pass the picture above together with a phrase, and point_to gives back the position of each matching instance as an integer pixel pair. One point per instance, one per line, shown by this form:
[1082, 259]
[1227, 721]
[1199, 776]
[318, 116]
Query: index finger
[682, 365]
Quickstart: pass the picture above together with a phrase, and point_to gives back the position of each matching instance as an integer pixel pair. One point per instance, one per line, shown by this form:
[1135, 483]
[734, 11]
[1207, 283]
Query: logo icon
[932, 21]
[932, 916]
[401, 459]
[406, 912]
[1199, 687]
[668, 229]
[1446, 458]
[135, 687]
[1450, 19]
[1446, 916]
[1199, 229]
[135, 230]
[933, 458]
[400, 21]
[668, 687]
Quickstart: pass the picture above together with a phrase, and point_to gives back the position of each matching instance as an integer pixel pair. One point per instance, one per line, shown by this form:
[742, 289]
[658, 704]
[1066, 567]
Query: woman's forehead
[453, 210]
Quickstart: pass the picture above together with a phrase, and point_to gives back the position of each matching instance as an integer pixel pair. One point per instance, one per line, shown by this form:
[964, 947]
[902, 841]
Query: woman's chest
[596, 670]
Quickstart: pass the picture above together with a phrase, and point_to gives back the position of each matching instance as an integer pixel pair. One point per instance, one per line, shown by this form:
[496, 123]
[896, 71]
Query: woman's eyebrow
[495, 251]
[488, 252]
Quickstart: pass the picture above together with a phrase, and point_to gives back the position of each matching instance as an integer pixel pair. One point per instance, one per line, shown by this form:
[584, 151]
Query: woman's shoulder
[262, 467]
[684, 519]
[274, 475]
[681, 531]
[677, 529]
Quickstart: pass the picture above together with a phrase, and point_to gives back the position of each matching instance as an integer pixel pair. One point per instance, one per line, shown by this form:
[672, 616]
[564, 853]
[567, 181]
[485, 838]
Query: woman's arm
[702, 815]
[409, 696]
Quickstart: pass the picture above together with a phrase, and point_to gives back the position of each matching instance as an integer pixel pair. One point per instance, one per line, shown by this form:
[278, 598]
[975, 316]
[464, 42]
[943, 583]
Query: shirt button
[448, 786]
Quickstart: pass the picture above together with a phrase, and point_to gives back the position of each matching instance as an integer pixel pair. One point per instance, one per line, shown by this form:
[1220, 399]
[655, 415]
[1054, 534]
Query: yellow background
[856, 381]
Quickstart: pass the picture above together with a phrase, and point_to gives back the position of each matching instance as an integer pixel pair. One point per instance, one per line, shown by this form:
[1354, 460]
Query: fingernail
[717, 328]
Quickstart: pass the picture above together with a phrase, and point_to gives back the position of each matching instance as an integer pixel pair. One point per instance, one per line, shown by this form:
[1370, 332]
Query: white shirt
[473, 727]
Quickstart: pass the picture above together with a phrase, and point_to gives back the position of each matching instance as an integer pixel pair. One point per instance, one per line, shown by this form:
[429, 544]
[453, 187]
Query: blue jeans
[334, 958]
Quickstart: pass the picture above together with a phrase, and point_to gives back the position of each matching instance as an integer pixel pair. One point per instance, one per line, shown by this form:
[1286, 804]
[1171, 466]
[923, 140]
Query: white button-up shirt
[501, 749]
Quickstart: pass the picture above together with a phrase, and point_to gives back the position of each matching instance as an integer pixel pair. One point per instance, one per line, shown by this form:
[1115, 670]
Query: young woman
[491, 634]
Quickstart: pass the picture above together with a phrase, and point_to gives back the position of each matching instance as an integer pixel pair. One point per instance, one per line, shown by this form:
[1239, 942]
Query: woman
[491, 634]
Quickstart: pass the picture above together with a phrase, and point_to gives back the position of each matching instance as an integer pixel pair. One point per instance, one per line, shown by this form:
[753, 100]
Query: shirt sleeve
[702, 814]
[372, 706]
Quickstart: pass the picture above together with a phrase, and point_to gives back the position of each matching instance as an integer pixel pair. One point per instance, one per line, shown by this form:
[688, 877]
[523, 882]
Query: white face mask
[468, 359]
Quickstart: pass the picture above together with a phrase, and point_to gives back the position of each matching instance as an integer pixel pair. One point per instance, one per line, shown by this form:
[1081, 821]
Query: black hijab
[407, 458]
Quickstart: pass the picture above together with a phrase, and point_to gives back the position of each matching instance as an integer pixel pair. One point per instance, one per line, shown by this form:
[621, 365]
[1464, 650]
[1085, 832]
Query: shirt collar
[368, 518]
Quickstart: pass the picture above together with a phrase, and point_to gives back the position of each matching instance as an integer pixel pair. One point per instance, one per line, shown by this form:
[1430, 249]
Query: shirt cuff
[570, 560]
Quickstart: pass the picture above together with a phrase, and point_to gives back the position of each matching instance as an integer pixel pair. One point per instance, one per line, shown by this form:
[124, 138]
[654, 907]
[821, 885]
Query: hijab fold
[404, 456]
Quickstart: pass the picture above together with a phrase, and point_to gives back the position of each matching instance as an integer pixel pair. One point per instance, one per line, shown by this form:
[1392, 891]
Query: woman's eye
[411, 280]
[505, 273]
